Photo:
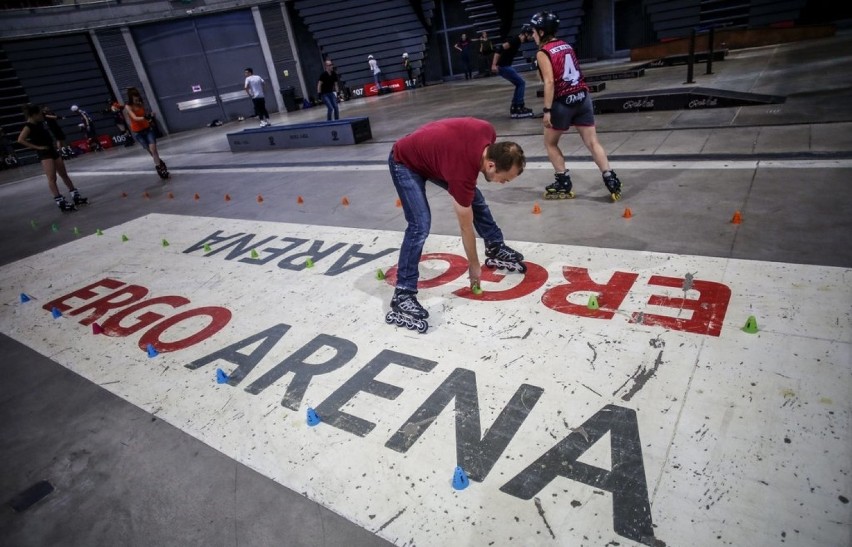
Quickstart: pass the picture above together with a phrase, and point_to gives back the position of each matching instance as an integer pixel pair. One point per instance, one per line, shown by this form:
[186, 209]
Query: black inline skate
[503, 257]
[162, 170]
[407, 312]
[520, 111]
[561, 187]
[612, 184]
[64, 206]
[78, 199]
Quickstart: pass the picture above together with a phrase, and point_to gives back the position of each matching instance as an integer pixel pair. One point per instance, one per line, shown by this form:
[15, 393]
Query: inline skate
[518, 111]
[407, 312]
[561, 187]
[162, 170]
[503, 257]
[78, 199]
[612, 184]
[64, 206]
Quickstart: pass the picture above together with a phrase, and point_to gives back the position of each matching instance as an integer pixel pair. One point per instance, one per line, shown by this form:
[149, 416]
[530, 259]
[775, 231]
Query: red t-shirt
[449, 150]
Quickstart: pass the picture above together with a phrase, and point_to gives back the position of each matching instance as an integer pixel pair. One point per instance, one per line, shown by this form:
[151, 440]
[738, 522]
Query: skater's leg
[411, 189]
[59, 164]
[49, 168]
[590, 139]
[483, 221]
[554, 153]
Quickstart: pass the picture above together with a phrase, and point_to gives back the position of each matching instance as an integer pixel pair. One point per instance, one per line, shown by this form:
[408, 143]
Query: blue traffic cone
[313, 417]
[460, 480]
[55, 312]
[25, 298]
[152, 352]
[221, 377]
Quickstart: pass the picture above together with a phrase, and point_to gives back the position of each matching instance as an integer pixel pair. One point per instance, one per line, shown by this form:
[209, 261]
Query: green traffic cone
[751, 325]
[380, 275]
[54, 227]
[124, 238]
[309, 263]
[165, 243]
[76, 231]
[99, 232]
[33, 224]
[477, 290]
[207, 248]
[593, 302]
[254, 253]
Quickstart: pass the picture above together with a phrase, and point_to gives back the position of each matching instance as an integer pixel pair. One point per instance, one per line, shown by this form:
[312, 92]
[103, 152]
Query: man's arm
[468, 235]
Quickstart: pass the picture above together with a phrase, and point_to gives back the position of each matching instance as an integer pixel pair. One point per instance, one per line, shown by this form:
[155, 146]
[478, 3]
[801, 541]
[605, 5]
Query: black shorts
[49, 154]
[571, 110]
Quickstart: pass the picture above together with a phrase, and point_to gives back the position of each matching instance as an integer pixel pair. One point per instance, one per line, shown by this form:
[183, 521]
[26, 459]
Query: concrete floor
[125, 477]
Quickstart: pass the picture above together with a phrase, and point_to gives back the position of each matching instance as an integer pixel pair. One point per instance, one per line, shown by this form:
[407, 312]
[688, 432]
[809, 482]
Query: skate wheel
[615, 196]
[522, 268]
[389, 319]
[422, 327]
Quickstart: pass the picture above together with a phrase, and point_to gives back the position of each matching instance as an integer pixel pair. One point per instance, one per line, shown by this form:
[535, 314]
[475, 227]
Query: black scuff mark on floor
[640, 378]
[594, 355]
[393, 518]
[543, 517]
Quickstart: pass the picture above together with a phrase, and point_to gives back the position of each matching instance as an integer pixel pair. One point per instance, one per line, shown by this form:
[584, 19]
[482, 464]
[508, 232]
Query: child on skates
[566, 103]
[36, 136]
[140, 125]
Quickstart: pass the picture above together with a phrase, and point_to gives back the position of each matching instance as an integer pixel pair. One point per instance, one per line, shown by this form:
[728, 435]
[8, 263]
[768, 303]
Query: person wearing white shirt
[254, 89]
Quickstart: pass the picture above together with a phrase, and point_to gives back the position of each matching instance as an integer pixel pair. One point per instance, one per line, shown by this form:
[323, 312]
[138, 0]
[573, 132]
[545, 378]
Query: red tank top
[135, 125]
[567, 76]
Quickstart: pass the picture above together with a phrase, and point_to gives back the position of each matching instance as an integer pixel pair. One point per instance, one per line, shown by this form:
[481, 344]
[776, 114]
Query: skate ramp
[690, 98]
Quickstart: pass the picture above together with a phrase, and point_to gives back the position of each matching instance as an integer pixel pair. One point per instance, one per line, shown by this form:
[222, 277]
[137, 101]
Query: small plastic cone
[738, 218]
[460, 479]
[345, 201]
[207, 248]
[259, 198]
[55, 312]
[152, 351]
[221, 376]
[124, 238]
[227, 197]
[536, 209]
[254, 254]
[309, 263]
[33, 224]
[99, 232]
[380, 275]
[124, 194]
[171, 195]
[76, 231]
[165, 243]
[398, 202]
[313, 418]
[25, 298]
[196, 197]
[54, 227]
[593, 303]
[751, 325]
[627, 213]
[146, 195]
[97, 329]
[300, 200]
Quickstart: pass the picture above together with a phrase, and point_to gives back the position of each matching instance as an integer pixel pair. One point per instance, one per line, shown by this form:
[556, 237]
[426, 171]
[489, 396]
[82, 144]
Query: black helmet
[546, 21]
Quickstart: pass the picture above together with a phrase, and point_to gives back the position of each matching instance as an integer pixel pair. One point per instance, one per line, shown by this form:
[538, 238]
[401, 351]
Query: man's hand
[474, 273]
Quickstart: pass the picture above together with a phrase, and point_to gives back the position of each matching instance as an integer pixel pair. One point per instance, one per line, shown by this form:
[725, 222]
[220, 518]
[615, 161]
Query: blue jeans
[330, 100]
[520, 84]
[411, 188]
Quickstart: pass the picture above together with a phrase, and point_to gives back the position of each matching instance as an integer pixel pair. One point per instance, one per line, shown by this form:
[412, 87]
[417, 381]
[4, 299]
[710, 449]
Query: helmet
[546, 21]
[405, 55]
[369, 56]
[74, 108]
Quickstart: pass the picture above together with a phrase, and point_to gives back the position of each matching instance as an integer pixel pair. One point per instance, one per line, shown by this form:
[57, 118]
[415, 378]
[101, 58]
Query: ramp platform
[302, 135]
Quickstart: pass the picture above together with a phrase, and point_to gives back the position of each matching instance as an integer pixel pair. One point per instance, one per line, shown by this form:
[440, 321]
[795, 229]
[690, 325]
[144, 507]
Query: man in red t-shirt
[450, 153]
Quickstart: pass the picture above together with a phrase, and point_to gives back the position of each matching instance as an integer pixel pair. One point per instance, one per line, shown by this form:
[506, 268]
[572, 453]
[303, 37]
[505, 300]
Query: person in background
[254, 85]
[36, 136]
[327, 89]
[463, 47]
[502, 65]
[140, 125]
[374, 70]
[566, 103]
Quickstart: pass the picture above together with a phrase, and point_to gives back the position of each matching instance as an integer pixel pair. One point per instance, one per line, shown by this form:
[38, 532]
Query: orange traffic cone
[299, 200]
[124, 194]
[259, 198]
[345, 201]
[627, 213]
[227, 197]
[171, 195]
[145, 195]
[196, 197]
[738, 218]
[536, 209]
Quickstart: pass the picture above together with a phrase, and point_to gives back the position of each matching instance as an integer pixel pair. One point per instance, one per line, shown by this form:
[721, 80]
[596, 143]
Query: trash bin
[289, 95]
